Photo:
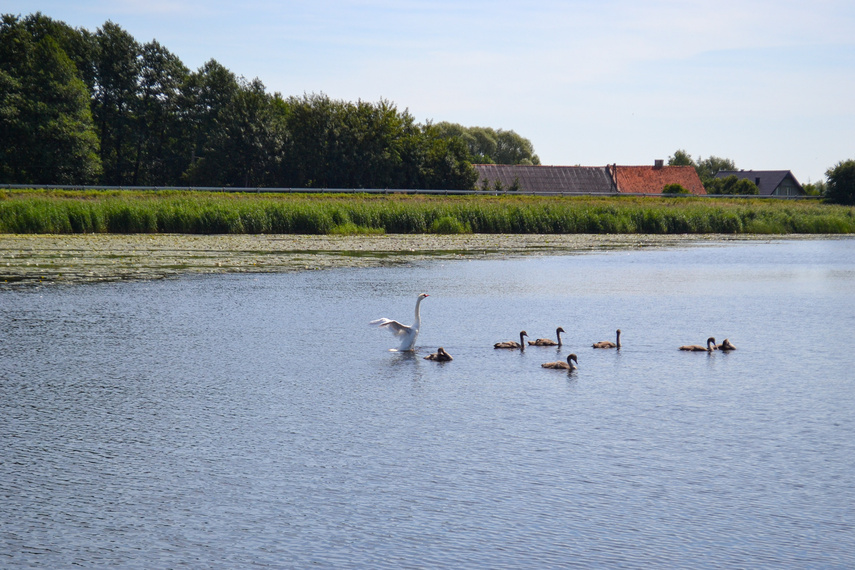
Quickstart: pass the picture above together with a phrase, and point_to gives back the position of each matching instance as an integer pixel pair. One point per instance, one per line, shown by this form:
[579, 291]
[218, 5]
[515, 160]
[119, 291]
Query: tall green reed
[54, 212]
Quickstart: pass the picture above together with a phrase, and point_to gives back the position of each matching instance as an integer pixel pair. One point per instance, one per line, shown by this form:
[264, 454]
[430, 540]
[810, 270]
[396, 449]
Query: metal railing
[492, 192]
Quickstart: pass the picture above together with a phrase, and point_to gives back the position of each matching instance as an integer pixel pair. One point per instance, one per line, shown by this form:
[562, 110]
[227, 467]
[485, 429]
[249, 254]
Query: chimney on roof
[658, 163]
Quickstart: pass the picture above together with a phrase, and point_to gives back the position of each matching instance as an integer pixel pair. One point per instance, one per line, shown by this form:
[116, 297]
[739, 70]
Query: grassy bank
[126, 212]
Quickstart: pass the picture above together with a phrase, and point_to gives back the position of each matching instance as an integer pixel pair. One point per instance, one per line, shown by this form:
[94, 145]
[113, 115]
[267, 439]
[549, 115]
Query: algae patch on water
[46, 259]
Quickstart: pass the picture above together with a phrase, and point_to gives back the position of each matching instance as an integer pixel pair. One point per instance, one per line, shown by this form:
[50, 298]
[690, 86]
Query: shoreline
[27, 260]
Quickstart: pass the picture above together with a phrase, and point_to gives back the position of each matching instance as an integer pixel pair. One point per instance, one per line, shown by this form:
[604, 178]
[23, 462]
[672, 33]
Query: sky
[769, 84]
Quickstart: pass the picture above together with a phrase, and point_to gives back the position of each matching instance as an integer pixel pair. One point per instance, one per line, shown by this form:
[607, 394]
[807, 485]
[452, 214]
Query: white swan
[407, 334]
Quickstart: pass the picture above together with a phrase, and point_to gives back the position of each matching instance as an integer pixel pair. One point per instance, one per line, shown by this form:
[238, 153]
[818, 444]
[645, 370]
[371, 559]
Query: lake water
[258, 421]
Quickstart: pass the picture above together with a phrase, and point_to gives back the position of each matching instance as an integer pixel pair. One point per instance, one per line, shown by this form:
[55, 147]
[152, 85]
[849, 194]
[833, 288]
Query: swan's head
[423, 295]
[523, 333]
[618, 332]
[573, 358]
[711, 341]
[559, 329]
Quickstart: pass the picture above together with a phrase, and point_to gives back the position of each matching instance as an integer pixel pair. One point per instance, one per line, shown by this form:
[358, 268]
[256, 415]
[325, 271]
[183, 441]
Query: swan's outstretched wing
[392, 325]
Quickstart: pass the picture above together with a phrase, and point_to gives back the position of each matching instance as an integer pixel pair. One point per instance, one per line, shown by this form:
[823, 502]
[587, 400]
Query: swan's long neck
[710, 344]
[418, 320]
[618, 339]
[522, 341]
[558, 334]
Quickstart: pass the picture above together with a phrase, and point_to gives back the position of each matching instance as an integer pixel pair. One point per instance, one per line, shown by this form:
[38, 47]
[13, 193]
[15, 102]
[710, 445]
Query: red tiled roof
[652, 179]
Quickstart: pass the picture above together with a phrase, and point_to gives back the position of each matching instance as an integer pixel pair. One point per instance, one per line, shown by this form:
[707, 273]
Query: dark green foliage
[712, 165]
[241, 148]
[682, 158]
[706, 168]
[449, 225]
[114, 101]
[205, 97]
[446, 163]
[103, 109]
[817, 188]
[841, 183]
[161, 139]
[489, 146]
[336, 144]
[46, 129]
[731, 185]
[674, 189]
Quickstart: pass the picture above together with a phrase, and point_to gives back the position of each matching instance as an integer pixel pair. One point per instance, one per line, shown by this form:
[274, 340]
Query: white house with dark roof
[769, 182]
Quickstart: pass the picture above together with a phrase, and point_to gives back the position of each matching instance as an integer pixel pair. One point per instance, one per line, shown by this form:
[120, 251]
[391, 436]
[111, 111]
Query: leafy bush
[351, 229]
[675, 189]
[449, 225]
[841, 183]
[731, 185]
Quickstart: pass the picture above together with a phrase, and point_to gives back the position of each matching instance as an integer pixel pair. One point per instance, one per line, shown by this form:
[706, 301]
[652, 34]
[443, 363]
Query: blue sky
[768, 84]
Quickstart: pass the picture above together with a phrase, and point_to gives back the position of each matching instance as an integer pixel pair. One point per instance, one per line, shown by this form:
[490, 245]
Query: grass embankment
[126, 212]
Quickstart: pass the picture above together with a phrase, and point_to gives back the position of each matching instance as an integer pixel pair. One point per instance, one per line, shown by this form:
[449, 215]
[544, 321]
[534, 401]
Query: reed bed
[132, 212]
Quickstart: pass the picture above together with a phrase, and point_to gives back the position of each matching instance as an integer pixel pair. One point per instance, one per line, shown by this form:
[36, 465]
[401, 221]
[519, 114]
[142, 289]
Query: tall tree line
[490, 146]
[100, 108]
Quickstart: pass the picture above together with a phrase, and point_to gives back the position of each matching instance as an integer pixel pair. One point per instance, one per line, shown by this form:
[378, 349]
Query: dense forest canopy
[100, 108]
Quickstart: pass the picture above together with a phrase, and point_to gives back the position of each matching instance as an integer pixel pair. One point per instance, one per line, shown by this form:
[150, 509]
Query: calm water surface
[258, 421]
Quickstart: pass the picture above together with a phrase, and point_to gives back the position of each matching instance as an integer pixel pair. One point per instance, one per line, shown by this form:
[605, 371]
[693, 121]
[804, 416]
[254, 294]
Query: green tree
[161, 141]
[446, 163]
[374, 153]
[682, 158]
[46, 129]
[708, 167]
[78, 44]
[483, 144]
[117, 77]
[674, 189]
[312, 126]
[205, 95]
[332, 144]
[746, 187]
[731, 185]
[514, 149]
[817, 188]
[841, 183]
[243, 148]
[488, 146]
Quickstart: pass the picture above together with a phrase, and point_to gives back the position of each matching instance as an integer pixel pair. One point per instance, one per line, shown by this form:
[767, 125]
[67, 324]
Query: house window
[786, 189]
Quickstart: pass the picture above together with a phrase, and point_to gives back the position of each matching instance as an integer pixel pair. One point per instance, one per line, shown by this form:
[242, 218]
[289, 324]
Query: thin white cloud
[627, 79]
